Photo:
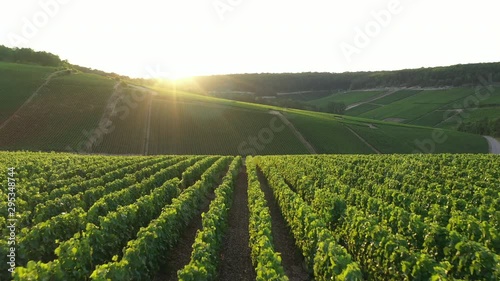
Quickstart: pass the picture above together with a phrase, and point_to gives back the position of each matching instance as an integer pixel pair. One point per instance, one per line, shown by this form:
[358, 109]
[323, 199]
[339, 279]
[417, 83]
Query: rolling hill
[193, 210]
[90, 113]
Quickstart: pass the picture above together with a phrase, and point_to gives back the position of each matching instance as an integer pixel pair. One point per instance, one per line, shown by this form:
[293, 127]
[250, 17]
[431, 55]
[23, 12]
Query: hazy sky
[196, 37]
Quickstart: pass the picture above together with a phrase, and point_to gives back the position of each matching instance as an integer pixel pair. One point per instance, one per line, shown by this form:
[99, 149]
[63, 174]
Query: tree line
[263, 84]
[29, 56]
[485, 126]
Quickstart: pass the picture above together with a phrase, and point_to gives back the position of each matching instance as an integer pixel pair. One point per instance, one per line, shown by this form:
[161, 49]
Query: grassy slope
[199, 128]
[57, 117]
[489, 108]
[394, 138]
[325, 135]
[399, 95]
[185, 123]
[203, 124]
[347, 98]
[16, 88]
[328, 136]
[429, 108]
[417, 105]
[129, 125]
[397, 139]
[362, 108]
[318, 128]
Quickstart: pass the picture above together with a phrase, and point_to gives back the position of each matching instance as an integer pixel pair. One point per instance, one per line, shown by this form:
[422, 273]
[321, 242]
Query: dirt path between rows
[493, 144]
[236, 264]
[284, 243]
[180, 254]
[45, 83]
[296, 132]
[373, 99]
[363, 140]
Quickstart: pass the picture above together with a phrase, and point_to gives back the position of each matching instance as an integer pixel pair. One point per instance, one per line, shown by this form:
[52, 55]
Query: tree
[495, 127]
[336, 107]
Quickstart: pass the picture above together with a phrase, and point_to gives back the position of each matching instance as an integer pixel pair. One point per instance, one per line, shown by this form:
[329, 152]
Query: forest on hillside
[272, 83]
[28, 56]
[263, 84]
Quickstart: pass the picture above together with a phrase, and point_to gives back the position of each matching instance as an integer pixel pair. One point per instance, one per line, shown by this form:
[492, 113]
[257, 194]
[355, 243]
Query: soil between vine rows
[235, 261]
[284, 243]
[180, 254]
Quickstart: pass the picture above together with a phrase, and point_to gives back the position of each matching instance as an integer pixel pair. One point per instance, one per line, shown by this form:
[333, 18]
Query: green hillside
[345, 97]
[331, 134]
[183, 127]
[417, 105]
[60, 115]
[443, 108]
[82, 112]
[18, 82]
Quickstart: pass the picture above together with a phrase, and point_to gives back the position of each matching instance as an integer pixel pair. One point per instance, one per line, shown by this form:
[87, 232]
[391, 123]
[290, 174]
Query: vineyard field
[434, 108]
[351, 217]
[418, 104]
[346, 98]
[129, 123]
[186, 127]
[66, 110]
[397, 218]
[16, 89]
[330, 134]
[60, 116]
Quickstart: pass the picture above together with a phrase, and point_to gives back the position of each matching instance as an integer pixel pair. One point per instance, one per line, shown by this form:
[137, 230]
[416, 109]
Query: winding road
[493, 144]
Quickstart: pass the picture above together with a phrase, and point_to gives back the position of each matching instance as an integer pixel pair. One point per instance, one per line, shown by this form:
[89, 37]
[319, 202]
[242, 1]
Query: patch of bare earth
[235, 261]
[395, 120]
[180, 255]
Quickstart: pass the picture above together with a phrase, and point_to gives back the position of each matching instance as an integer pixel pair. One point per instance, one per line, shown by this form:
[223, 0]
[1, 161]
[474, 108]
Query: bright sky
[177, 38]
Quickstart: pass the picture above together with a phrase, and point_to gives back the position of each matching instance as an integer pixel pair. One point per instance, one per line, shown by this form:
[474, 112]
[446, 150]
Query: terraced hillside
[341, 134]
[441, 108]
[326, 217]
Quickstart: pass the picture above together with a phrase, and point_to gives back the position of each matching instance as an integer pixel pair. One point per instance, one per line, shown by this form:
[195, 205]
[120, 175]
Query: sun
[173, 76]
[170, 75]
[177, 76]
